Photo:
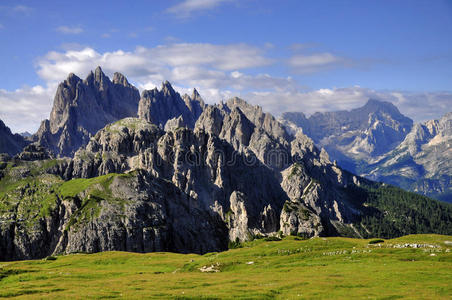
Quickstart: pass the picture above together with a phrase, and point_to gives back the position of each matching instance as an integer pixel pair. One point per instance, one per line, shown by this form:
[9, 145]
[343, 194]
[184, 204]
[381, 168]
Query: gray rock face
[422, 162]
[174, 123]
[247, 128]
[198, 163]
[263, 136]
[158, 107]
[141, 214]
[82, 107]
[360, 134]
[10, 143]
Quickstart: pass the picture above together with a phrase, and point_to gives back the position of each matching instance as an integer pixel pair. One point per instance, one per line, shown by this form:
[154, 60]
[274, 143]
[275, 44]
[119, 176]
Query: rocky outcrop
[82, 107]
[248, 128]
[33, 152]
[174, 123]
[10, 143]
[159, 106]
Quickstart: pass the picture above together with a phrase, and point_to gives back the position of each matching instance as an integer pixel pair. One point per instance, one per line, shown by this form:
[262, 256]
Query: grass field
[327, 268]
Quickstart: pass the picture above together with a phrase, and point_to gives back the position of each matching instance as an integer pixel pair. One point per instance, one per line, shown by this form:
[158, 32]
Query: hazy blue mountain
[422, 162]
[357, 136]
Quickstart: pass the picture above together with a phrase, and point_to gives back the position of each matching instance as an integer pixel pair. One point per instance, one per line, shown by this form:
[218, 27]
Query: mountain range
[115, 170]
[378, 142]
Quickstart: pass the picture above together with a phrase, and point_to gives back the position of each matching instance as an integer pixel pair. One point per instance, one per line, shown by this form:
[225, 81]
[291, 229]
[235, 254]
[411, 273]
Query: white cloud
[315, 62]
[24, 109]
[187, 7]
[70, 30]
[1, 26]
[173, 62]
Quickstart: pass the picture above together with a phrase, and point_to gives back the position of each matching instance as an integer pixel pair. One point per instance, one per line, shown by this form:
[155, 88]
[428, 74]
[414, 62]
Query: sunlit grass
[291, 268]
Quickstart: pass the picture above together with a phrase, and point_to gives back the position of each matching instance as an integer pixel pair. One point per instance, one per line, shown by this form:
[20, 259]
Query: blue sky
[284, 55]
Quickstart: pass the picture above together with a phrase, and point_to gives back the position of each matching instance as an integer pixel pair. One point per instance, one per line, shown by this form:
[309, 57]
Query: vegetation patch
[377, 241]
[235, 244]
[317, 268]
[28, 199]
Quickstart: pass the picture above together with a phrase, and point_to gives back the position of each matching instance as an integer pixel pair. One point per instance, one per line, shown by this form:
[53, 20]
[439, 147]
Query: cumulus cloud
[24, 109]
[180, 62]
[69, 29]
[187, 7]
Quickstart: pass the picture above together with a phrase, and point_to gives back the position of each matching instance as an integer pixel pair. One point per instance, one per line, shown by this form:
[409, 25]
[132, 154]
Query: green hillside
[414, 266]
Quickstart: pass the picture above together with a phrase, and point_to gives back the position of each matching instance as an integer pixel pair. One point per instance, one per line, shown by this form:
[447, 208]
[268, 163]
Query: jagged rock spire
[81, 108]
[118, 78]
[159, 106]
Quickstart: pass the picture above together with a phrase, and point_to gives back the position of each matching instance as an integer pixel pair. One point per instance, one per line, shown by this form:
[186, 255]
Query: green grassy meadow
[328, 268]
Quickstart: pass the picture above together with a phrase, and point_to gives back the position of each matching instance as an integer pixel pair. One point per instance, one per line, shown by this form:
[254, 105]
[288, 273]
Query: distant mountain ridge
[378, 142]
[359, 134]
[422, 162]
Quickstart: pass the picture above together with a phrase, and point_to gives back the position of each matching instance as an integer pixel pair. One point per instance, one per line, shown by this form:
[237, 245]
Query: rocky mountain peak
[98, 78]
[422, 162]
[120, 79]
[377, 106]
[81, 108]
[255, 114]
[167, 88]
[196, 96]
[159, 106]
[98, 73]
[72, 79]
